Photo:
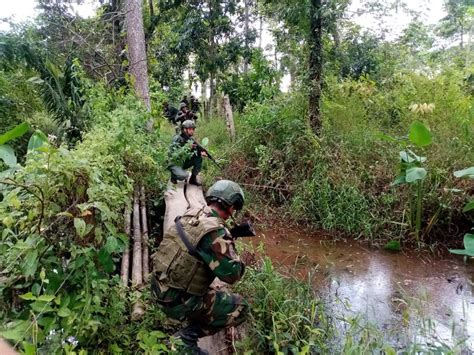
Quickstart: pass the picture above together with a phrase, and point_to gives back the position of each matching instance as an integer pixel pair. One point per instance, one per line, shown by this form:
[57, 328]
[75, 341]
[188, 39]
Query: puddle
[413, 297]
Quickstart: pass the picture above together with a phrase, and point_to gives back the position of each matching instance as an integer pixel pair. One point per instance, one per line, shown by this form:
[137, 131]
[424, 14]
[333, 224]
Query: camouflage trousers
[214, 311]
[179, 172]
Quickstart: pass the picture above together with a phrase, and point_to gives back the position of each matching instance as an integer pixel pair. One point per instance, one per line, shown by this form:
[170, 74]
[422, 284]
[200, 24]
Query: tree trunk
[145, 257]
[125, 269]
[229, 117]
[468, 48]
[246, 34]
[315, 66]
[260, 31]
[137, 274]
[212, 95]
[152, 10]
[137, 50]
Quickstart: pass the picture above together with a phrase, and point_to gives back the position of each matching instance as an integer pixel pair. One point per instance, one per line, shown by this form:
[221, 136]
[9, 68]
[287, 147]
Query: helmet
[182, 105]
[226, 192]
[188, 124]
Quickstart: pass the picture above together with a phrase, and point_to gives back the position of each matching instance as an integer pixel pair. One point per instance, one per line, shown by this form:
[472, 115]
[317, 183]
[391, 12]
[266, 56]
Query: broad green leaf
[37, 140]
[111, 246]
[419, 134]
[64, 312]
[461, 252]
[30, 263]
[80, 226]
[468, 172]
[16, 330]
[18, 131]
[7, 154]
[469, 206]
[416, 157]
[401, 179]
[468, 246]
[41, 306]
[28, 348]
[28, 296]
[46, 298]
[404, 156]
[205, 142]
[469, 242]
[415, 174]
[106, 260]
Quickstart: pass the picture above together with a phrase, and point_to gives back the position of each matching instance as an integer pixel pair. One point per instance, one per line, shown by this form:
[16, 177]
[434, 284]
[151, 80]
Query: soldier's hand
[204, 154]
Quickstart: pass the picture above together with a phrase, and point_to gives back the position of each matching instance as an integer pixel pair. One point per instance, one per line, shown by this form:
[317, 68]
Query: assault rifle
[200, 148]
[243, 230]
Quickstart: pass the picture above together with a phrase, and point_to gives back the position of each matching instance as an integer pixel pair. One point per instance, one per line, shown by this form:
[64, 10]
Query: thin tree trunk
[137, 50]
[212, 96]
[260, 31]
[152, 10]
[315, 66]
[145, 257]
[125, 269]
[137, 274]
[246, 34]
[229, 117]
[468, 48]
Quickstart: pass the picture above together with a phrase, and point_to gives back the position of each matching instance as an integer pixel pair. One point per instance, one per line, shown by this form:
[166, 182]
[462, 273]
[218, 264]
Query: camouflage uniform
[194, 161]
[206, 309]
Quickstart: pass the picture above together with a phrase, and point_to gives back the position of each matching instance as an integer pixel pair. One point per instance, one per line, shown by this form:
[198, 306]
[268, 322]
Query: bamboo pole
[125, 269]
[145, 255]
[137, 274]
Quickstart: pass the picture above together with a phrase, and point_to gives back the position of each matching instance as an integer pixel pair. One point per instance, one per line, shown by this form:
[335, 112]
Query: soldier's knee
[241, 312]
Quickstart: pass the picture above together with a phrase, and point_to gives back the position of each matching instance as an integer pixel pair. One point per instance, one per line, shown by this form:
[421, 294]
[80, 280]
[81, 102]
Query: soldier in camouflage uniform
[193, 160]
[185, 266]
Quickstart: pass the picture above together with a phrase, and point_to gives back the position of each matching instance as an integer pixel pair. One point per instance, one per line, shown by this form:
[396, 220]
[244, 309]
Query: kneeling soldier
[195, 250]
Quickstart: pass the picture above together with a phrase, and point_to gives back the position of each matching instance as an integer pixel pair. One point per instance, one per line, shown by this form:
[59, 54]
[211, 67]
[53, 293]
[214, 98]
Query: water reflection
[413, 297]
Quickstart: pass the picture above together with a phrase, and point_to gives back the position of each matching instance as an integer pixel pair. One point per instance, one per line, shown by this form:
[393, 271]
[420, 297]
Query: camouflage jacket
[217, 250]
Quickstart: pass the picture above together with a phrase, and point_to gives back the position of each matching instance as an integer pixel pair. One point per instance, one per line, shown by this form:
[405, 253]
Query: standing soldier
[195, 104]
[169, 112]
[184, 114]
[195, 250]
[191, 159]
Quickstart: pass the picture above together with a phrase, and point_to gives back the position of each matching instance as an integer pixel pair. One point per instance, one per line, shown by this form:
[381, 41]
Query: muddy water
[412, 297]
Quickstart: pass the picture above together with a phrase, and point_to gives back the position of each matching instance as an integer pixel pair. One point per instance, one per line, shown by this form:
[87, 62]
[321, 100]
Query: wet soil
[412, 296]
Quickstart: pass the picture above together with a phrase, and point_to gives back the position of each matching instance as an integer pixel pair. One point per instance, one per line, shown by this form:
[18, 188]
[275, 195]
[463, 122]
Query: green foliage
[60, 235]
[260, 83]
[286, 315]
[468, 246]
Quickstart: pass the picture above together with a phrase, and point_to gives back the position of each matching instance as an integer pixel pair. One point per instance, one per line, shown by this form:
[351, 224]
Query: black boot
[173, 179]
[190, 336]
[193, 180]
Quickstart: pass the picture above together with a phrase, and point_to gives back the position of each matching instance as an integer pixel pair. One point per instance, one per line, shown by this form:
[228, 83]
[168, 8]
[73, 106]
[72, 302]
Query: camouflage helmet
[227, 192]
[188, 124]
[182, 105]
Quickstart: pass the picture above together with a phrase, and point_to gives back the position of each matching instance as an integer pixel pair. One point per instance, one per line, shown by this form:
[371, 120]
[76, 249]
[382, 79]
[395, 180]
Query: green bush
[61, 221]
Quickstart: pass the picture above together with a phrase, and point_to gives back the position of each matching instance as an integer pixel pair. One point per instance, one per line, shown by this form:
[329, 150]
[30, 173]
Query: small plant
[412, 171]
[468, 246]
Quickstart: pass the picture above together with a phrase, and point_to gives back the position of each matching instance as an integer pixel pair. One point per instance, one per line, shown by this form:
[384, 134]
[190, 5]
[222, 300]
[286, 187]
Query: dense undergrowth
[343, 180]
[62, 235]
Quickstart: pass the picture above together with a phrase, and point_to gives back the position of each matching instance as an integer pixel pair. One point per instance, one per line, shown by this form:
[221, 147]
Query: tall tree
[315, 42]
[308, 21]
[137, 50]
[458, 20]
